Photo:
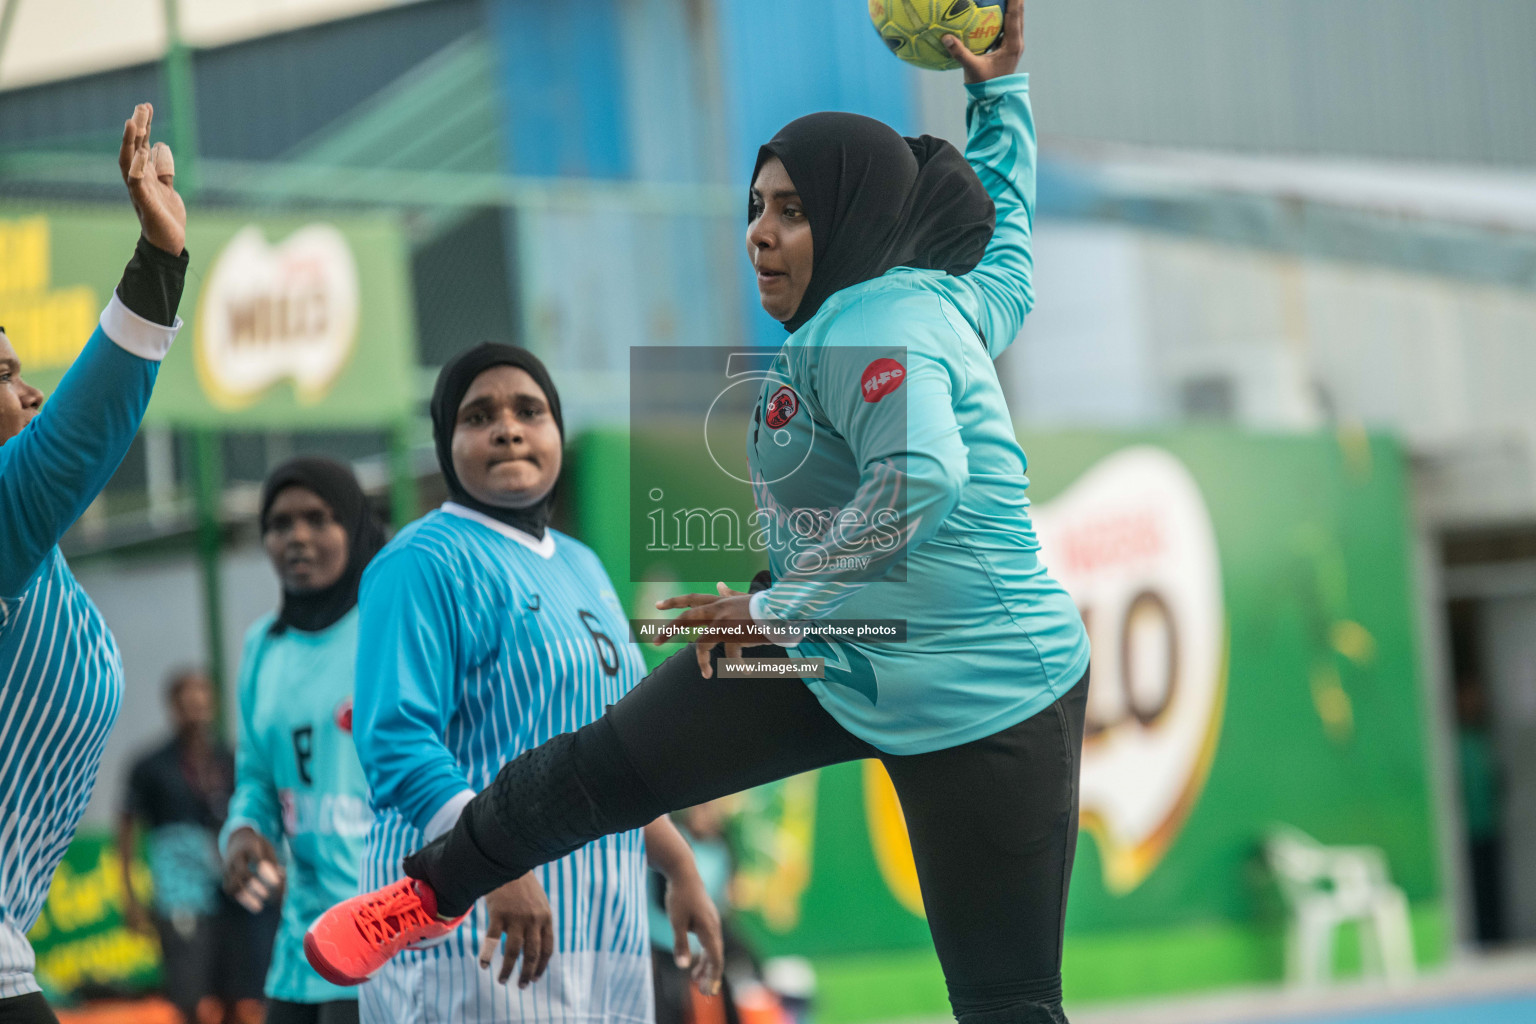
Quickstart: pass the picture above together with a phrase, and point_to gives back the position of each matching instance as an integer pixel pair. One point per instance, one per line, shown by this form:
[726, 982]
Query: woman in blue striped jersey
[298, 783]
[483, 633]
[881, 440]
[61, 679]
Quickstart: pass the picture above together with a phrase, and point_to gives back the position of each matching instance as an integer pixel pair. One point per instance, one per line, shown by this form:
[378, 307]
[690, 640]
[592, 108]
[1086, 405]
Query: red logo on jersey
[344, 715]
[881, 377]
[782, 406]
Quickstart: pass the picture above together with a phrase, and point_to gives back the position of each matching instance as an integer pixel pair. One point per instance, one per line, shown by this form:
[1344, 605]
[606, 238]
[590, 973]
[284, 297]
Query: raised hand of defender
[994, 63]
[150, 174]
[518, 914]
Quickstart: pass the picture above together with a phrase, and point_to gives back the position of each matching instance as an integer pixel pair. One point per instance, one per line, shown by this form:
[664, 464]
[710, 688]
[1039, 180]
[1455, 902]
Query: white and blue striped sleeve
[52, 471]
[411, 640]
[255, 802]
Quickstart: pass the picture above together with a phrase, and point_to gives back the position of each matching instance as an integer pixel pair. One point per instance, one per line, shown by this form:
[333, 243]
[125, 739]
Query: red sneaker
[347, 943]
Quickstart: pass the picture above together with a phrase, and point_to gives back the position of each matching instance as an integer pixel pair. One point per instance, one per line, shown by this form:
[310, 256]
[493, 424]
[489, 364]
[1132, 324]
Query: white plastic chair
[1327, 886]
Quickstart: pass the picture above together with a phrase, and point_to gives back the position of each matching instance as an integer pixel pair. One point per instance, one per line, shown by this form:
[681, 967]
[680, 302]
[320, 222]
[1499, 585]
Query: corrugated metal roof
[442, 115]
[255, 99]
[1451, 80]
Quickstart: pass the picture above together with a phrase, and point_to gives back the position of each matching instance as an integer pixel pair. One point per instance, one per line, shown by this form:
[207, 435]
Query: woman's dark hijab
[315, 610]
[453, 383]
[876, 200]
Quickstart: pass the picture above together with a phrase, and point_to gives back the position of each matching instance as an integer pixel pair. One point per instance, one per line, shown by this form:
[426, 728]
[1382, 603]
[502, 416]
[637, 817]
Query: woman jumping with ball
[900, 271]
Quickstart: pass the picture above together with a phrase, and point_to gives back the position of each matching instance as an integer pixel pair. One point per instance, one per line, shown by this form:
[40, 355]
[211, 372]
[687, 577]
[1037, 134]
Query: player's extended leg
[675, 740]
[994, 829]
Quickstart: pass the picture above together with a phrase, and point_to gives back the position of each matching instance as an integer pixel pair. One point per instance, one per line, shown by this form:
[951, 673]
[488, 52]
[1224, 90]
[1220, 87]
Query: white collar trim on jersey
[543, 548]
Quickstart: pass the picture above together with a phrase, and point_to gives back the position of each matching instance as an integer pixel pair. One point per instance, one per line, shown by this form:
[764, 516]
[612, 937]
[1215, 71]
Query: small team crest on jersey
[881, 377]
[782, 407]
[344, 715]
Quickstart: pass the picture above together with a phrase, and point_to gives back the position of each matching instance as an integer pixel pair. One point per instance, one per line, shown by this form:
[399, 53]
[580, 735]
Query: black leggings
[338, 1011]
[28, 1009]
[993, 822]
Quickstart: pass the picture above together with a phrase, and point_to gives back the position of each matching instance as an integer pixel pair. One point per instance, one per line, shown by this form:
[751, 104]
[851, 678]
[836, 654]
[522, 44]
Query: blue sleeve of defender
[255, 803]
[52, 471]
[913, 465]
[996, 295]
[411, 631]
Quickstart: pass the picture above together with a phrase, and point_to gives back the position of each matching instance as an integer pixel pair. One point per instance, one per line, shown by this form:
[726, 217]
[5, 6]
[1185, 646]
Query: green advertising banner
[1250, 605]
[292, 323]
[81, 939]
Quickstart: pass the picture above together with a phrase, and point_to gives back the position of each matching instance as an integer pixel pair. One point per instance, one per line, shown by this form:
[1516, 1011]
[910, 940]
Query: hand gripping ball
[914, 29]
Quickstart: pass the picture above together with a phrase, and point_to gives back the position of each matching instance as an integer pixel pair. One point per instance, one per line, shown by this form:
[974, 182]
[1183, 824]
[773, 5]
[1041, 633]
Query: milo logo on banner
[1132, 541]
[273, 312]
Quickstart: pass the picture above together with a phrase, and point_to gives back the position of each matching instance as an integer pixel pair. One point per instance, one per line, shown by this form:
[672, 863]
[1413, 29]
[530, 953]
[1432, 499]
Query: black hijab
[452, 384]
[877, 200]
[314, 610]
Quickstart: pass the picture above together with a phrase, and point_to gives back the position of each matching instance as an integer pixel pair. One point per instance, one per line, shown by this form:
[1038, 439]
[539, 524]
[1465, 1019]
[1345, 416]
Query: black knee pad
[540, 805]
[567, 792]
[547, 802]
[610, 778]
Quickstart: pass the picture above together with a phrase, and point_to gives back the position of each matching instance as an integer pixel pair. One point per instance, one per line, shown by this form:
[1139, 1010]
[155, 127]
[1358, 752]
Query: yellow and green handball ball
[915, 29]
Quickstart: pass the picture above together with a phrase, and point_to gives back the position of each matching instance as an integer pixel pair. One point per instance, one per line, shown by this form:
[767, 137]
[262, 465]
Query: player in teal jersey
[299, 785]
[899, 271]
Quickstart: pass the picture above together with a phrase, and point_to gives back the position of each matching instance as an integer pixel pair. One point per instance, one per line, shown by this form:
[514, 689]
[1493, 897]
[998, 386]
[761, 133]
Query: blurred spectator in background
[300, 786]
[1480, 804]
[214, 954]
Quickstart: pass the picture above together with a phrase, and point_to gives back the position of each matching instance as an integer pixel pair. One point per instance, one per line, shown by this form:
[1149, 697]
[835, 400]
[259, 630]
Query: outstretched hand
[150, 174]
[731, 610]
[995, 63]
[520, 921]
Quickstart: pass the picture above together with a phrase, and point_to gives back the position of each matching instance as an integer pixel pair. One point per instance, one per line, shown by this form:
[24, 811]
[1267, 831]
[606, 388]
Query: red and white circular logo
[782, 407]
[344, 715]
[881, 377]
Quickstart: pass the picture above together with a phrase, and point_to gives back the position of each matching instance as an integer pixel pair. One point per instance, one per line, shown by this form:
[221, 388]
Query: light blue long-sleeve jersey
[298, 782]
[478, 642]
[61, 679]
[897, 487]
